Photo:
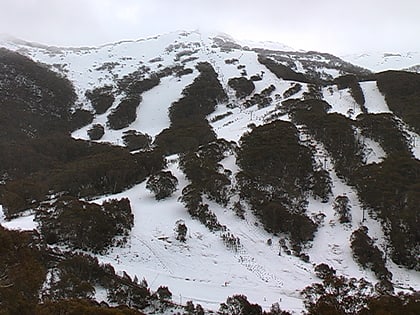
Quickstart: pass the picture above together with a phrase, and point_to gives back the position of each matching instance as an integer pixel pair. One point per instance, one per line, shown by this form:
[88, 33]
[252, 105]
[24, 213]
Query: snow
[379, 61]
[415, 143]
[341, 101]
[153, 110]
[26, 222]
[374, 99]
[373, 151]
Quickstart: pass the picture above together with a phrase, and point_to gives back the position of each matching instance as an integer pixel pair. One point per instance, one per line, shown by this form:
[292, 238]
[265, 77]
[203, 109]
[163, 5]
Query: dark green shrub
[124, 114]
[242, 86]
[368, 255]
[86, 226]
[163, 184]
[101, 98]
[135, 140]
[96, 132]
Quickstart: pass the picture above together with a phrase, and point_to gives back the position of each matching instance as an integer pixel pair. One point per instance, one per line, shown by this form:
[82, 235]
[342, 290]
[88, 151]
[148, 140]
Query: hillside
[210, 168]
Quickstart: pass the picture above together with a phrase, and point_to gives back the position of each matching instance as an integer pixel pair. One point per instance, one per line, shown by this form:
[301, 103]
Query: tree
[162, 184]
[181, 231]
[342, 207]
[96, 132]
[164, 294]
[337, 295]
[239, 305]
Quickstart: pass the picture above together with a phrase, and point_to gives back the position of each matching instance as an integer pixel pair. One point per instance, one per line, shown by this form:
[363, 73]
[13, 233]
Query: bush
[242, 86]
[124, 114]
[163, 184]
[342, 208]
[368, 255]
[101, 98]
[294, 89]
[96, 132]
[135, 140]
[84, 225]
[402, 94]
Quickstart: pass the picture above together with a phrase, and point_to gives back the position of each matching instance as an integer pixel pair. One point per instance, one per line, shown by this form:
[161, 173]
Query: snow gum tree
[162, 184]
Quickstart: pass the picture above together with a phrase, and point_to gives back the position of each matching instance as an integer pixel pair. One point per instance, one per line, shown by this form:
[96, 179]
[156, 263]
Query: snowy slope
[203, 269]
[379, 61]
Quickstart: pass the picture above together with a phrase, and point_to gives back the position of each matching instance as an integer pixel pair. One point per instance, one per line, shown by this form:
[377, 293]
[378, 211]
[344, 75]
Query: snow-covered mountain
[272, 85]
[380, 61]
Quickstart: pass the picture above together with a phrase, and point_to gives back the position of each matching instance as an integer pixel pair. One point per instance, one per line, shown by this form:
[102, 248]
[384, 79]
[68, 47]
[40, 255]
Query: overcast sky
[334, 26]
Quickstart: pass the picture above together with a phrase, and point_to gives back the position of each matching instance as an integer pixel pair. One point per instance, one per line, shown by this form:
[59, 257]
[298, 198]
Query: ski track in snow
[203, 269]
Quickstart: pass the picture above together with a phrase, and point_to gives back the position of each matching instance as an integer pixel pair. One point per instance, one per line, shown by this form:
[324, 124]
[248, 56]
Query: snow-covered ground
[379, 61]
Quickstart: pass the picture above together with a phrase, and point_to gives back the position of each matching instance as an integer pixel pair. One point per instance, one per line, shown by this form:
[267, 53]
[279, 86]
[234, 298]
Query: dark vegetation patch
[184, 53]
[281, 71]
[108, 66]
[314, 92]
[225, 44]
[22, 272]
[342, 208]
[242, 86]
[402, 94]
[231, 61]
[189, 127]
[221, 116]
[34, 101]
[351, 82]
[256, 77]
[334, 130]
[70, 288]
[135, 140]
[277, 175]
[125, 113]
[101, 98]
[262, 99]
[182, 45]
[86, 226]
[391, 190]
[341, 295]
[294, 89]
[203, 170]
[96, 132]
[385, 129]
[368, 255]
[314, 64]
[76, 168]
[207, 178]
[163, 184]
[139, 75]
